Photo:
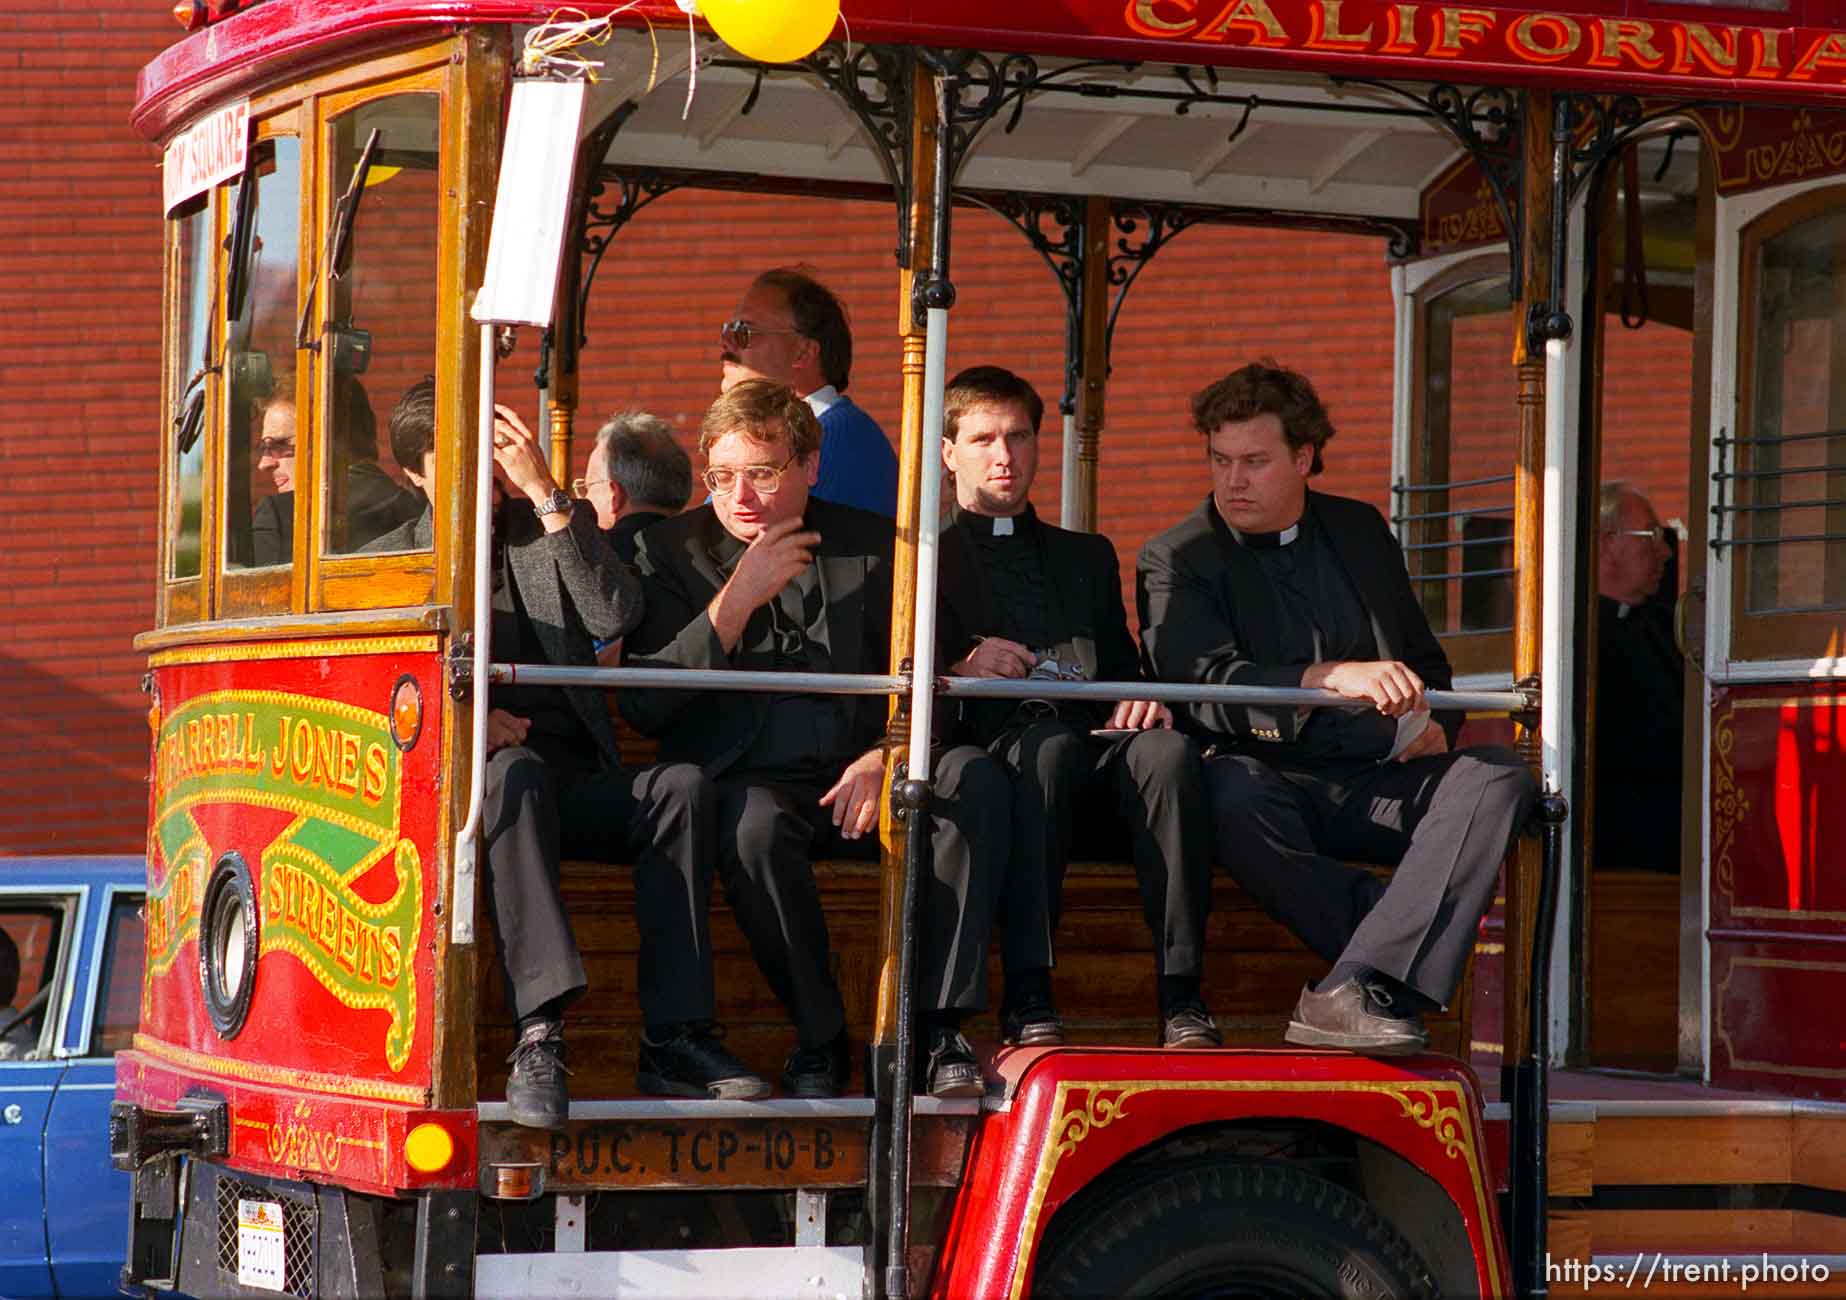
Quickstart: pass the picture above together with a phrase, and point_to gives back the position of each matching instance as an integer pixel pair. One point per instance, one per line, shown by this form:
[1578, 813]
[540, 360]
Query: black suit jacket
[1207, 615]
[1086, 579]
[678, 560]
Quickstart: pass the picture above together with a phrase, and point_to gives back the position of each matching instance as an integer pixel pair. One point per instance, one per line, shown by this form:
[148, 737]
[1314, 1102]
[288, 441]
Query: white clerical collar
[1003, 526]
[1283, 538]
[822, 399]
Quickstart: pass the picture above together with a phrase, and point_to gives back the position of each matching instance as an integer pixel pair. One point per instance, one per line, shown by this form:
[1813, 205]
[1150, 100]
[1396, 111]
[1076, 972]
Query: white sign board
[213, 149]
[262, 1257]
[536, 167]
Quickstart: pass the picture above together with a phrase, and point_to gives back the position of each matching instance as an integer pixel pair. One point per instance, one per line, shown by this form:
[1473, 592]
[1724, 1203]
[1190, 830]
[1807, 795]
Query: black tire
[1230, 1228]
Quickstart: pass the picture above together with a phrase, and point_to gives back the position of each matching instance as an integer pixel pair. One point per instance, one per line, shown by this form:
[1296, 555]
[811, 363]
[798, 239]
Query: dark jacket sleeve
[1189, 637]
[605, 592]
[1421, 650]
[675, 631]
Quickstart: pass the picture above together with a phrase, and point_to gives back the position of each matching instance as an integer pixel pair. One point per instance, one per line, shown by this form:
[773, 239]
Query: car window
[118, 996]
[29, 939]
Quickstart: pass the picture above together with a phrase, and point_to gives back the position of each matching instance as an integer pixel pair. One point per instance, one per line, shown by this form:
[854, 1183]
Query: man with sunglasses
[1640, 684]
[766, 578]
[792, 329]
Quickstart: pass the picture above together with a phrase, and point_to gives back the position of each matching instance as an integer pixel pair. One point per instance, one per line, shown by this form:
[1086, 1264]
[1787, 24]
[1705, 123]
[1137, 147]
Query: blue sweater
[857, 465]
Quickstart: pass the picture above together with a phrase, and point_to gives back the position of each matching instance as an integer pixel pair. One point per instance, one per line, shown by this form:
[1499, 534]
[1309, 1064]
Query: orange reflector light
[189, 13]
[406, 712]
[428, 1148]
[516, 1182]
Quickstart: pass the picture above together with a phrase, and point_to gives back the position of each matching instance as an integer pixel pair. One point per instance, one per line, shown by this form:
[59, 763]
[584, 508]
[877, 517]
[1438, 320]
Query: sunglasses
[275, 447]
[736, 334]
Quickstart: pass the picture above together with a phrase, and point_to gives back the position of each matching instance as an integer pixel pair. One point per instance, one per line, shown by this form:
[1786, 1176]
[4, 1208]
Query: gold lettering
[1827, 52]
[1142, 19]
[392, 962]
[326, 757]
[377, 771]
[1560, 37]
[349, 763]
[1459, 28]
[329, 932]
[368, 953]
[1400, 30]
[301, 752]
[280, 766]
[225, 729]
[1766, 60]
[1716, 51]
[1613, 37]
[310, 903]
[1325, 33]
[1254, 18]
[348, 954]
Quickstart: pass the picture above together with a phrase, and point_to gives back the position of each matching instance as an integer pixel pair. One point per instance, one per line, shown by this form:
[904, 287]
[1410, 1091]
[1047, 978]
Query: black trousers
[1144, 793]
[1444, 821]
[769, 833]
[660, 818]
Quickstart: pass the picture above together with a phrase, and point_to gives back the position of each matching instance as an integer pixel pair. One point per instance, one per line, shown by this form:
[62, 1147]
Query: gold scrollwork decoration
[1428, 1110]
[1729, 805]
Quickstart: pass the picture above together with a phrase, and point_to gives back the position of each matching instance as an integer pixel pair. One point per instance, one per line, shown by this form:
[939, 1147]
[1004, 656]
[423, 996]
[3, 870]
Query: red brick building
[80, 295]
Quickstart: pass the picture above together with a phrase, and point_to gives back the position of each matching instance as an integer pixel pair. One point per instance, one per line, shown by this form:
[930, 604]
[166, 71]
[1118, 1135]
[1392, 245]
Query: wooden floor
[1105, 979]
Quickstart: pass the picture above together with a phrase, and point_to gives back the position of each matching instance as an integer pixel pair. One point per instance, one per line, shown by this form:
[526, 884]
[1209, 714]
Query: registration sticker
[261, 1259]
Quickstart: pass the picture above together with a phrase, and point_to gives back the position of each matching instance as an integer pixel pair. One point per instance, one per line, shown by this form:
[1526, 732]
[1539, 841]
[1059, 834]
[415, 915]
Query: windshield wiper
[239, 243]
[336, 258]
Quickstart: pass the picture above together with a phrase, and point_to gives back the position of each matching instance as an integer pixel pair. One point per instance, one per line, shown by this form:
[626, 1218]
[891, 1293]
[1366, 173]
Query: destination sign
[213, 149]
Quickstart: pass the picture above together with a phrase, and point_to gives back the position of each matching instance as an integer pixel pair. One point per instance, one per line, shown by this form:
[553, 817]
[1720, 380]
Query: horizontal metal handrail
[1788, 472]
[1004, 688]
[1469, 513]
[1459, 574]
[698, 679]
[1444, 545]
[1720, 543]
[1812, 504]
[1776, 439]
[1025, 688]
[1407, 488]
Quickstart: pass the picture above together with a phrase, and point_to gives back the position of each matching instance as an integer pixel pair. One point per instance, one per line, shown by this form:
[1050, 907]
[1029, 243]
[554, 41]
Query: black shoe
[949, 1068]
[818, 1071]
[1033, 1023]
[1189, 1024]
[693, 1062]
[535, 1090]
[1357, 1016]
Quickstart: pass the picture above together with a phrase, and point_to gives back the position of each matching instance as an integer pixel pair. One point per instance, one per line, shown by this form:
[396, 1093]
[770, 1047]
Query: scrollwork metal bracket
[1055, 226]
[875, 83]
[634, 190]
[1141, 230]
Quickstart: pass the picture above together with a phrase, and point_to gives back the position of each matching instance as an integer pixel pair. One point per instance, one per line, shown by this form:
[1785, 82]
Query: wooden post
[1528, 511]
[909, 496]
[1093, 395]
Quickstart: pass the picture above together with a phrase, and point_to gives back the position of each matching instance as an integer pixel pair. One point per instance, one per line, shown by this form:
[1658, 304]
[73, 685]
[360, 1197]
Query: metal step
[763, 1273]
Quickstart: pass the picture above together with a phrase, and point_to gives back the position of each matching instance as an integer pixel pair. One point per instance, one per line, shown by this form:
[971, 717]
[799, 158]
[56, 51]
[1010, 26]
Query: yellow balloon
[772, 31]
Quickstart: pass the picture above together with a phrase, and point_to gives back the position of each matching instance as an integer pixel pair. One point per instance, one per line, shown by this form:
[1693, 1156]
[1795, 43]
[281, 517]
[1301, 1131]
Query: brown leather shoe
[1358, 1017]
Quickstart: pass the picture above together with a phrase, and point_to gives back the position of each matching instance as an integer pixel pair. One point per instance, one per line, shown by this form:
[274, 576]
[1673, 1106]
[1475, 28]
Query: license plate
[261, 1253]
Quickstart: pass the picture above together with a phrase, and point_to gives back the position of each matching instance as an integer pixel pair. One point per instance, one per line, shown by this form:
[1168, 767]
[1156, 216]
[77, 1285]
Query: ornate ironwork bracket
[635, 190]
[1055, 227]
[985, 88]
[875, 84]
[1486, 124]
[1134, 247]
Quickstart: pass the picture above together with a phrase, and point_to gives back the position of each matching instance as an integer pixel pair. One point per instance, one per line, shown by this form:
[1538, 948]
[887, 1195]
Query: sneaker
[1357, 1016]
[535, 1090]
[1033, 1023]
[1189, 1024]
[693, 1062]
[818, 1071]
[949, 1068]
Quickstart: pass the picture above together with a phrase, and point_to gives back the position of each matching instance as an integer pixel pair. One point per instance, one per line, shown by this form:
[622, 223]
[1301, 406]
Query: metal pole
[467, 840]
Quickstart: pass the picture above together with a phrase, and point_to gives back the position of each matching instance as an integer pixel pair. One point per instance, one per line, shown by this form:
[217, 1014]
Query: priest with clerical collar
[1021, 598]
[1270, 584]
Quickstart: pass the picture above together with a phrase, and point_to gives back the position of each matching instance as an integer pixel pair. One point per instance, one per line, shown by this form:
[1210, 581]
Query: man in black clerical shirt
[1640, 680]
[555, 786]
[1269, 584]
[764, 578]
[1020, 598]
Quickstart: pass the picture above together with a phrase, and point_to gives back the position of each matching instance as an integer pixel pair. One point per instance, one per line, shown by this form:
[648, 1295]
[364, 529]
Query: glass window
[1790, 496]
[192, 261]
[260, 300]
[379, 282]
[1458, 502]
[29, 937]
[118, 997]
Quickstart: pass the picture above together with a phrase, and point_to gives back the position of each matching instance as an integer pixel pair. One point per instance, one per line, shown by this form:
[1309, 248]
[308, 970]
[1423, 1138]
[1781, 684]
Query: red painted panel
[289, 762]
[1778, 1020]
[1778, 829]
[1076, 1114]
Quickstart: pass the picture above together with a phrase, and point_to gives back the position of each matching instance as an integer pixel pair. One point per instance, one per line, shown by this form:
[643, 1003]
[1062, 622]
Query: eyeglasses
[1658, 533]
[275, 447]
[580, 487]
[764, 480]
[736, 334]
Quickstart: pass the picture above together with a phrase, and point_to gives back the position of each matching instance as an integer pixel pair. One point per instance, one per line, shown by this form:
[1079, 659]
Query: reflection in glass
[1792, 492]
[260, 359]
[379, 285]
[192, 259]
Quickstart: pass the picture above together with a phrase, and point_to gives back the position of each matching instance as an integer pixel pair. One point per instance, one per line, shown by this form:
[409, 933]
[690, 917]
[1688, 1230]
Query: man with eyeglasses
[792, 329]
[1640, 684]
[638, 475]
[1020, 598]
[766, 578]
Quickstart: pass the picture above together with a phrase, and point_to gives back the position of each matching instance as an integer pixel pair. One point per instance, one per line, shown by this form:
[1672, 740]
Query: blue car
[71, 956]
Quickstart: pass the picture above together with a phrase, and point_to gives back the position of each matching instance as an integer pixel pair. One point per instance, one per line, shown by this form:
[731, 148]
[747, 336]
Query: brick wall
[79, 370]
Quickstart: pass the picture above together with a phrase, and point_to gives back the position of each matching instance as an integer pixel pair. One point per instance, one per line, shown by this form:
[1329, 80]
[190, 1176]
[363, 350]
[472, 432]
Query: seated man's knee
[678, 785]
[1047, 749]
[765, 834]
[1161, 752]
[515, 771]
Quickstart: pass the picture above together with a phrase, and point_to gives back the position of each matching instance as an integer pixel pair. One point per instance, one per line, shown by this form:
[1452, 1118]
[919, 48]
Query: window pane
[192, 259]
[381, 312]
[118, 998]
[1796, 460]
[28, 964]
[260, 438]
[1462, 545]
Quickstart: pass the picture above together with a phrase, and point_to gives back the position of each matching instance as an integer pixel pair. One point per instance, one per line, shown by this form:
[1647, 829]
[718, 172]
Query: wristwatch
[558, 503]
